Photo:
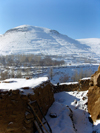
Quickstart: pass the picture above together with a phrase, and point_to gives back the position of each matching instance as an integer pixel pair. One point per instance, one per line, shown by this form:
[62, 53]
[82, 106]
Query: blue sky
[75, 18]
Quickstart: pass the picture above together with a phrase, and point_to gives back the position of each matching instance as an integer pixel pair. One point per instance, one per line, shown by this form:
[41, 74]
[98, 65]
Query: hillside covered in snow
[36, 40]
[94, 44]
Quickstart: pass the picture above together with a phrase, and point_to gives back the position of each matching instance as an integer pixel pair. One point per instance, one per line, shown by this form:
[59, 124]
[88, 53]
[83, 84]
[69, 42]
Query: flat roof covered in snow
[19, 83]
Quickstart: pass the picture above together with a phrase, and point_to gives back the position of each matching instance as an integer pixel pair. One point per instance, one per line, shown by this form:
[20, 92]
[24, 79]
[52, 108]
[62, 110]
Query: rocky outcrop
[15, 115]
[84, 84]
[94, 96]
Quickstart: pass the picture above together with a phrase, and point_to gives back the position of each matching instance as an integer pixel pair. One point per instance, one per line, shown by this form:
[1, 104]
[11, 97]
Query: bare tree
[51, 73]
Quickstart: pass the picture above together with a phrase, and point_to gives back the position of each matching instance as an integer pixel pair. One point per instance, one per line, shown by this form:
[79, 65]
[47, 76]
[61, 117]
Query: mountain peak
[37, 40]
[22, 28]
[26, 28]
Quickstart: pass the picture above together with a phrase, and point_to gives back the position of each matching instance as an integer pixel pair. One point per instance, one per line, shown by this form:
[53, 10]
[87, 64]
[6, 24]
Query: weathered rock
[84, 84]
[96, 79]
[94, 96]
[90, 83]
[94, 102]
[99, 68]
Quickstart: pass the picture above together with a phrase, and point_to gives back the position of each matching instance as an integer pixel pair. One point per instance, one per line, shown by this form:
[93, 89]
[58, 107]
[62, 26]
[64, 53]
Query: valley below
[40, 64]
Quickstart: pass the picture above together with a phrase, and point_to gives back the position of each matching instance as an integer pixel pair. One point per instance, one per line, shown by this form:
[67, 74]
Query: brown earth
[16, 116]
[94, 96]
[84, 84]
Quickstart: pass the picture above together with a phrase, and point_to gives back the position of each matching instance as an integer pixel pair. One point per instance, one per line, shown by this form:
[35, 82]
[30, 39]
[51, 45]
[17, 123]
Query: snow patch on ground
[72, 113]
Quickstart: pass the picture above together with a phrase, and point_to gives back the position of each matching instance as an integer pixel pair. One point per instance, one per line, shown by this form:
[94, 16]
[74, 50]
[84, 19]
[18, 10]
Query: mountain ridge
[37, 40]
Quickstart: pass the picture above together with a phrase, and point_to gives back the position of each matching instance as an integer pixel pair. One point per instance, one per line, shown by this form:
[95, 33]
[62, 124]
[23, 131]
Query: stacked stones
[15, 115]
[82, 85]
[66, 87]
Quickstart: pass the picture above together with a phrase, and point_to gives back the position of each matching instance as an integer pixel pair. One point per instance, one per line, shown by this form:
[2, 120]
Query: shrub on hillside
[64, 78]
[81, 74]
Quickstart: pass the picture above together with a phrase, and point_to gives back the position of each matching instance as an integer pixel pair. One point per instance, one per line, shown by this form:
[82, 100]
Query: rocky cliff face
[94, 96]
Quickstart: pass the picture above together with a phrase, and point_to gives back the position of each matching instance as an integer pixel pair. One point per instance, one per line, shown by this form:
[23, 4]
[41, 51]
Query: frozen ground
[72, 114]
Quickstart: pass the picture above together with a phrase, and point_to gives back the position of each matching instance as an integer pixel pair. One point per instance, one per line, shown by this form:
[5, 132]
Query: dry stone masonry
[81, 85]
[15, 115]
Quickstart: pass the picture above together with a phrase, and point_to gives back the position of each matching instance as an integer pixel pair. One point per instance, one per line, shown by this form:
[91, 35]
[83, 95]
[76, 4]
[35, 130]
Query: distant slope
[93, 43]
[37, 40]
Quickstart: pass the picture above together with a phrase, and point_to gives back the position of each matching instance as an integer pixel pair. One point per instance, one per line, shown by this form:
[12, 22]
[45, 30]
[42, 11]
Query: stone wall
[15, 115]
[94, 96]
[66, 87]
[82, 85]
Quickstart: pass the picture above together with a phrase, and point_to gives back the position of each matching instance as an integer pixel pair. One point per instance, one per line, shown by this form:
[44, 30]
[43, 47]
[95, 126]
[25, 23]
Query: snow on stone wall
[82, 85]
[15, 115]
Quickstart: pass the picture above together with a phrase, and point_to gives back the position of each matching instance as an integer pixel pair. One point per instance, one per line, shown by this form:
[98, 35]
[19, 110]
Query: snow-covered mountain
[94, 44]
[37, 40]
